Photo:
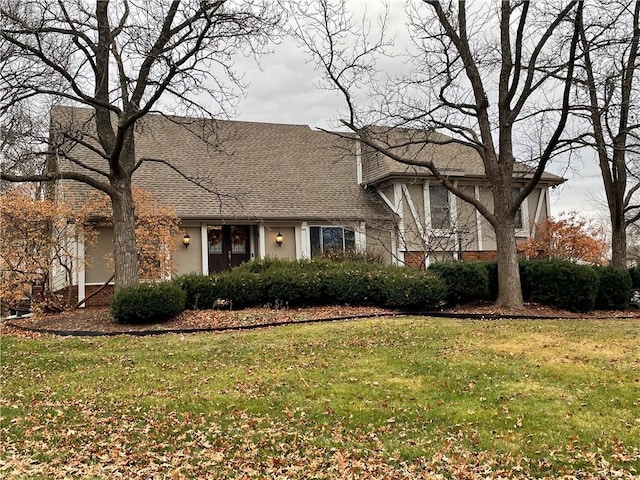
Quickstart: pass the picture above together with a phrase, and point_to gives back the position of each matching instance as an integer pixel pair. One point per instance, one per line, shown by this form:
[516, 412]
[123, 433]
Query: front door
[228, 246]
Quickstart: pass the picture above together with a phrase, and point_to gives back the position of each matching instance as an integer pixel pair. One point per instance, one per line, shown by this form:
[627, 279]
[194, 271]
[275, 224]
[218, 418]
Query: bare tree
[487, 77]
[21, 142]
[423, 242]
[123, 59]
[607, 97]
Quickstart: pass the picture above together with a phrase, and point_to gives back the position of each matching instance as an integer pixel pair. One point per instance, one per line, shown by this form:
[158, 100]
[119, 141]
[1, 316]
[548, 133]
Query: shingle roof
[451, 158]
[264, 170]
[260, 170]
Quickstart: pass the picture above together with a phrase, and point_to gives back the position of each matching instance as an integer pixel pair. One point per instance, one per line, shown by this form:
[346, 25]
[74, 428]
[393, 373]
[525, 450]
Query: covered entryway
[228, 246]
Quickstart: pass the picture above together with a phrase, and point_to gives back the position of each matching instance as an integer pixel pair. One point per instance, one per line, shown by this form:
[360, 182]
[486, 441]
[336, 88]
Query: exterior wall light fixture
[186, 240]
[279, 239]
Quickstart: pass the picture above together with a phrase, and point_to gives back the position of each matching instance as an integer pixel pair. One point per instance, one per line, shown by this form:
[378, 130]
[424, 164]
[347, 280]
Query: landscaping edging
[153, 332]
[145, 333]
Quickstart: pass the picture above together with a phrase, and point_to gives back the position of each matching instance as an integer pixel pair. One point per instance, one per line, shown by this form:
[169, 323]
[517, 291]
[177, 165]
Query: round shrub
[563, 284]
[147, 302]
[414, 291]
[614, 290]
[202, 290]
[466, 281]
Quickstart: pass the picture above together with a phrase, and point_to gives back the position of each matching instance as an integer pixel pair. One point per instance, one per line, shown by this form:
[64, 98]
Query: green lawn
[380, 398]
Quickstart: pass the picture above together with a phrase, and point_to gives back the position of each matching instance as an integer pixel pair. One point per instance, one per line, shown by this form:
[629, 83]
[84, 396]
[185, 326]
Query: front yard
[382, 398]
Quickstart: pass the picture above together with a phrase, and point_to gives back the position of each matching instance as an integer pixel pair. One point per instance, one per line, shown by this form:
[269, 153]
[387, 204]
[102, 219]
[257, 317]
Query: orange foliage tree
[570, 237]
[39, 241]
[156, 228]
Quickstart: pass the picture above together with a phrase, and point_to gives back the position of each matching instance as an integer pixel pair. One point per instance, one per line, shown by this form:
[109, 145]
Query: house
[246, 190]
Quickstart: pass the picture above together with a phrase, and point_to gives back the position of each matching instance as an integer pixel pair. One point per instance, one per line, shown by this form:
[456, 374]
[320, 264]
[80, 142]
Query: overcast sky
[285, 90]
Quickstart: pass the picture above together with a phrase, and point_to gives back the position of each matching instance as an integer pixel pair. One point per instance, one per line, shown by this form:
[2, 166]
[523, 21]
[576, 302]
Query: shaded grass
[528, 397]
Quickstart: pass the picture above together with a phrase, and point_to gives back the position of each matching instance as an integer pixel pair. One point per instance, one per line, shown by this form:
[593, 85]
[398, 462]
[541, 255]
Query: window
[214, 239]
[439, 207]
[518, 218]
[331, 239]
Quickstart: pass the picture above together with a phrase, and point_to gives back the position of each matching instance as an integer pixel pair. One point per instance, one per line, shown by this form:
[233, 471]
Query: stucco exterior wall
[466, 221]
[68, 268]
[488, 235]
[379, 243]
[188, 260]
[288, 248]
[97, 269]
[468, 231]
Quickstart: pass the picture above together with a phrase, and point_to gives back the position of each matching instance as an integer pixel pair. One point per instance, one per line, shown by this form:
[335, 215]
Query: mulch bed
[100, 321]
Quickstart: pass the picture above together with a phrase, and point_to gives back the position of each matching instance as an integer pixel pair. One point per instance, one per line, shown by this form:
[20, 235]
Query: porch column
[262, 241]
[303, 242]
[204, 251]
[80, 274]
[361, 238]
[476, 193]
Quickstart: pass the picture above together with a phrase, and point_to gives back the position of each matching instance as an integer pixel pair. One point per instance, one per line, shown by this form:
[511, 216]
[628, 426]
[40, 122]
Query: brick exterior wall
[100, 300]
[414, 259]
[480, 255]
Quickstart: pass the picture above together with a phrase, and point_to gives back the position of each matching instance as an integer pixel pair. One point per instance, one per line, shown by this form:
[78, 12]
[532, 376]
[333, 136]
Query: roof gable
[450, 157]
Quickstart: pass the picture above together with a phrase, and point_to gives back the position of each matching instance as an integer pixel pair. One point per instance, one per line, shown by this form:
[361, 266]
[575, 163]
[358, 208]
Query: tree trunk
[125, 251]
[510, 290]
[618, 241]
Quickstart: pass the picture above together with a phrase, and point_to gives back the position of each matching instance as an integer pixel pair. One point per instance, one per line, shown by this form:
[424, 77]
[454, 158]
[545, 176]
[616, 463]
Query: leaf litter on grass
[165, 414]
[160, 444]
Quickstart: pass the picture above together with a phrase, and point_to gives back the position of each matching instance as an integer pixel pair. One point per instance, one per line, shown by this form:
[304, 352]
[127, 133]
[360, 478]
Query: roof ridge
[186, 118]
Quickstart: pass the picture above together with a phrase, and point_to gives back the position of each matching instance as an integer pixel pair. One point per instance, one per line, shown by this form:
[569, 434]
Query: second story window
[440, 208]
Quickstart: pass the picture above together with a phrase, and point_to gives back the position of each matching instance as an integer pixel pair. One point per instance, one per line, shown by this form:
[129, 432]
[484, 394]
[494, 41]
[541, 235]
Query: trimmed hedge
[492, 276]
[314, 282]
[635, 276]
[466, 281]
[243, 289]
[202, 291]
[354, 287]
[147, 302]
[614, 290]
[287, 287]
[279, 283]
[563, 284]
[414, 292]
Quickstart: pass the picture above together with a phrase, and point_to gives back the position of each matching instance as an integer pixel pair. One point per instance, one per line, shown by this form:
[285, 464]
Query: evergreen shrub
[492, 276]
[353, 285]
[315, 282]
[563, 284]
[466, 281]
[525, 281]
[635, 276]
[265, 264]
[147, 302]
[243, 289]
[202, 290]
[414, 290]
[292, 286]
[614, 289]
